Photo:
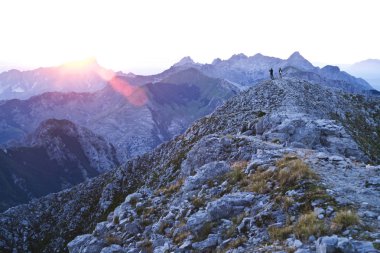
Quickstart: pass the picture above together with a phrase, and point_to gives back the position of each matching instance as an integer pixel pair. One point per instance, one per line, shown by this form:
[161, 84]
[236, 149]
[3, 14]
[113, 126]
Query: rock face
[246, 178]
[56, 156]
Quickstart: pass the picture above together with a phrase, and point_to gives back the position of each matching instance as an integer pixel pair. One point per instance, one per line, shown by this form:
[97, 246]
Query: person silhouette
[280, 72]
[271, 73]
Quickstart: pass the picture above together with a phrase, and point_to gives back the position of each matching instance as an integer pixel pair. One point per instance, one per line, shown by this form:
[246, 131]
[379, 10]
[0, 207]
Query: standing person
[271, 73]
[280, 72]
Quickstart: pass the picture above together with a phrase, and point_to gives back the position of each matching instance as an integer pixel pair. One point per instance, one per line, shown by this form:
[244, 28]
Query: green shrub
[261, 114]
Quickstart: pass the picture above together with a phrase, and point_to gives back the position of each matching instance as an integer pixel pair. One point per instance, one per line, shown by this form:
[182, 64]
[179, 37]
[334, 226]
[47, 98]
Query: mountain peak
[216, 61]
[237, 57]
[296, 55]
[184, 61]
[330, 68]
[258, 55]
[49, 129]
[297, 60]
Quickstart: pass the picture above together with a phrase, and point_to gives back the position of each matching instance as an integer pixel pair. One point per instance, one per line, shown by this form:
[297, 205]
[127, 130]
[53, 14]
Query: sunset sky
[147, 36]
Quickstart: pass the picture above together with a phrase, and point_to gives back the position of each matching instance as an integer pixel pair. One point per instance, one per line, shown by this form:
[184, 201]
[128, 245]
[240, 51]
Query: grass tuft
[344, 219]
[292, 171]
[308, 225]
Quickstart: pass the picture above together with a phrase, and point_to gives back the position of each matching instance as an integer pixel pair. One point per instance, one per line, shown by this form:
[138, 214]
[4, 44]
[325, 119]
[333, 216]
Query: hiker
[271, 73]
[280, 72]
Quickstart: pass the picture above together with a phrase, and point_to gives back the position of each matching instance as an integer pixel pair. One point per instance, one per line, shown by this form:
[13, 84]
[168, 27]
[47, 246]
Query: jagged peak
[240, 56]
[331, 68]
[297, 59]
[258, 55]
[184, 61]
[216, 61]
[296, 55]
[53, 124]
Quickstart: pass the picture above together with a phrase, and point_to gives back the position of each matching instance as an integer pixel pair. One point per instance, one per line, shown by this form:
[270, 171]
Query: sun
[89, 62]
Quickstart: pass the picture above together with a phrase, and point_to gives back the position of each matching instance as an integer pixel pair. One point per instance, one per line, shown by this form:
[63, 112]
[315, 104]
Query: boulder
[114, 248]
[207, 172]
[229, 205]
[133, 197]
[332, 244]
[85, 243]
[211, 242]
[326, 244]
[196, 221]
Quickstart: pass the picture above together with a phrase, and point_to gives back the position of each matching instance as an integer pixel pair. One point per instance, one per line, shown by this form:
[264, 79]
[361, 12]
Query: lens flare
[134, 94]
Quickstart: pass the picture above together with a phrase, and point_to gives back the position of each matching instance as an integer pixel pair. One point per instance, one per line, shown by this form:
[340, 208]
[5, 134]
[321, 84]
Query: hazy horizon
[149, 36]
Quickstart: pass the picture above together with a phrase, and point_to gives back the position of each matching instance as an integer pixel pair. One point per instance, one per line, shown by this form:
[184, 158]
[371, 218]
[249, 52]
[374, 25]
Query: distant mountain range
[240, 69]
[71, 77]
[368, 69]
[247, 71]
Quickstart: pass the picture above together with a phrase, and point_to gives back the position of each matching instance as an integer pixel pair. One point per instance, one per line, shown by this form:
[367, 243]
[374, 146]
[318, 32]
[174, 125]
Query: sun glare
[80, 64]
[135, 95]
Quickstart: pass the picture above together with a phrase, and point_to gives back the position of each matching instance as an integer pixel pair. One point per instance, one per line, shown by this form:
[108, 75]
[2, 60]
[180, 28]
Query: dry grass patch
[293, 170]
[258, 182]
[204, 231]
[198, 202]
[308, 225]
[237, 171]
[180, 237]
[290, 171]
[280, 233]
[344, 219]
[172, 188]
[285, 202]
[113, 239]
[235, 243]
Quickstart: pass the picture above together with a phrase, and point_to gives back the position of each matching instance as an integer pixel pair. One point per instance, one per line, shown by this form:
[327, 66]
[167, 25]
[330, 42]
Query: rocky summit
[285, 166]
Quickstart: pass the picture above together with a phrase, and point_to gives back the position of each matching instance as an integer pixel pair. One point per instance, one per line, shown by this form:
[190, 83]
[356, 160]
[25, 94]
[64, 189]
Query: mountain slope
[56, 156]
[190, 191]
[132, 129]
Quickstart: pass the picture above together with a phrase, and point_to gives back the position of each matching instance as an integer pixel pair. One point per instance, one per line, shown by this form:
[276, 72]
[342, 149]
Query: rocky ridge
[246, 178]
[247, 71]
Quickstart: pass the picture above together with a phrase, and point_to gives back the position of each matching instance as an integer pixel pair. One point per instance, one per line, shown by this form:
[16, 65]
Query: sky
[147, 36]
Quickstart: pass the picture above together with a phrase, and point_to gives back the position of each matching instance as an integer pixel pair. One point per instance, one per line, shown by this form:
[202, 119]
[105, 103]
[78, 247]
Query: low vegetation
[344, 219]
[293, 170]
[172, 188]
[235, 243]
[308, 225]
[237, 172]
[204, 231]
